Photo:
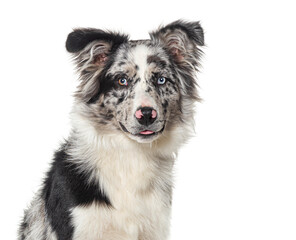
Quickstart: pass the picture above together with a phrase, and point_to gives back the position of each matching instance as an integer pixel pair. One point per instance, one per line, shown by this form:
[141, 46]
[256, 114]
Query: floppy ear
[91, 49]
[181, 39]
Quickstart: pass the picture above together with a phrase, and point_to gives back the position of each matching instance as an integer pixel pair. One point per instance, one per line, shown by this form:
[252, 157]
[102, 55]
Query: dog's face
[140, 87]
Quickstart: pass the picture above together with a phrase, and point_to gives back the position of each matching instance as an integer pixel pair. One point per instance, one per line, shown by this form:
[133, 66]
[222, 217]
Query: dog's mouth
[147, 133]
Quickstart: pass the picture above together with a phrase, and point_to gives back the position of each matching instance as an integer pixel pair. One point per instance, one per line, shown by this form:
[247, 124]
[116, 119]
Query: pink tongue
[147, 132]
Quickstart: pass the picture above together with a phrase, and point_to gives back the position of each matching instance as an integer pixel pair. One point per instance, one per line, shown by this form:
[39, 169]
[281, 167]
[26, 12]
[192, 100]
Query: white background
[236, 179]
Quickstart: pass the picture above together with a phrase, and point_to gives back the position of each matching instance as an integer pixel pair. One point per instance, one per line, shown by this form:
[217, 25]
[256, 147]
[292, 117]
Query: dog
[133, 109]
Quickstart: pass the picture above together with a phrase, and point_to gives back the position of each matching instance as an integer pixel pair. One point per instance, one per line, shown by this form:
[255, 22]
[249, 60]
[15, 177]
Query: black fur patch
[123, 127]
[79, 38]
[165, 104]
[104, 84]
[65, 188]
[121, 63]
[121, 98]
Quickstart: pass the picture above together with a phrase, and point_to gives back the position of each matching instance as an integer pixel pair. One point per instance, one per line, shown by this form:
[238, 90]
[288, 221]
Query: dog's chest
[140, 217]
[139, 192]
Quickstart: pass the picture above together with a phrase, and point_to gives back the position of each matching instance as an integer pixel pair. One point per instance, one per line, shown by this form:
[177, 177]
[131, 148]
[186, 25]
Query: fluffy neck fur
[116, 161]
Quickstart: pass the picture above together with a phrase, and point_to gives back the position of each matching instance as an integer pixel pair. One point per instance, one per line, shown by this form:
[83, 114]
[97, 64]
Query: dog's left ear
[181, 39]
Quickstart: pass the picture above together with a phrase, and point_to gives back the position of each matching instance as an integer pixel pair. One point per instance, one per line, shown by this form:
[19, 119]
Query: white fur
[139, 56]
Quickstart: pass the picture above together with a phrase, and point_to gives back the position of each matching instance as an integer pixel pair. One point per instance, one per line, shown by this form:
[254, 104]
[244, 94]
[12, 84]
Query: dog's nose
[146, 115]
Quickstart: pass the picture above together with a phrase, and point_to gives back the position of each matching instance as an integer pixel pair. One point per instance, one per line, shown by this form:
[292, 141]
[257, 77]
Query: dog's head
[140, 88]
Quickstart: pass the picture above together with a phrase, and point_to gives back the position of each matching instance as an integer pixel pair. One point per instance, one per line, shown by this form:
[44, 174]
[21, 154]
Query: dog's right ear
[92, 47]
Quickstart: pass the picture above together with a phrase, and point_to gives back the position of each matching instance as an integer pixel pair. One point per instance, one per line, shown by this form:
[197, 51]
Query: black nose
[146, 115]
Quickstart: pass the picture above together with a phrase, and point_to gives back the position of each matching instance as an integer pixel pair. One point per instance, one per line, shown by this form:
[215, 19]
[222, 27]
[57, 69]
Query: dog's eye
[122, 81]
[161, 80]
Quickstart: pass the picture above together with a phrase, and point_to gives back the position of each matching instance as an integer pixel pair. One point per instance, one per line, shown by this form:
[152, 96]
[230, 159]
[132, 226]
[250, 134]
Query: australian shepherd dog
[133, 109]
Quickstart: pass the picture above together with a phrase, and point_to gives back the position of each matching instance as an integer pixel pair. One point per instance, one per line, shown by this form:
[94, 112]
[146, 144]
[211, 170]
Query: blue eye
[122, 81]
[161, 80]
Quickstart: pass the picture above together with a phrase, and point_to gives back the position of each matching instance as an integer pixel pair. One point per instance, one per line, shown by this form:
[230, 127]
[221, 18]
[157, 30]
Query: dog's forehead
[139, 57]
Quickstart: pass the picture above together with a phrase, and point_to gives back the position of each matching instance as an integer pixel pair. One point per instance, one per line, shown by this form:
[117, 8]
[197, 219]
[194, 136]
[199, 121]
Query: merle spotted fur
[108, 173]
